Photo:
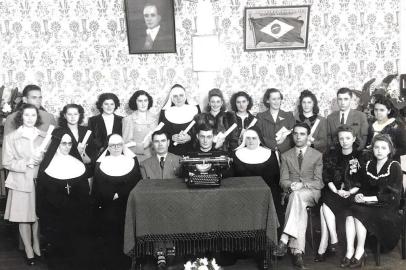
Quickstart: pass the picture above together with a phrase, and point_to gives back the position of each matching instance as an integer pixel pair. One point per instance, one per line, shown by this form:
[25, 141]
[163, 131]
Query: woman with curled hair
[107, 122]
[223, 120]
[308, 112]
[138, 124]
[241, 104]
[342, 175]
[387, 121]
[376, 204]
[22, 156]
[71, 119]
[275, 124]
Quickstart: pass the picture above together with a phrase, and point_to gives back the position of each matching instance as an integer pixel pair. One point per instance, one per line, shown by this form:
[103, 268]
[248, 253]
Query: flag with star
[277, 29]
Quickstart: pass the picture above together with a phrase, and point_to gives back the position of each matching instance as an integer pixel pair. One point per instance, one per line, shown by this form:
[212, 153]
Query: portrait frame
[276, 27]
[165, 37]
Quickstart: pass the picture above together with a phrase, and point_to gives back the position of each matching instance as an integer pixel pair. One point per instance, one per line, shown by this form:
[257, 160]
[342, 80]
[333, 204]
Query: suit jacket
[16, 153]
[356, 119]
[99, 131]
[164, 41]
[46, 118]
[150, 168]
[269, 128]
[310, 173]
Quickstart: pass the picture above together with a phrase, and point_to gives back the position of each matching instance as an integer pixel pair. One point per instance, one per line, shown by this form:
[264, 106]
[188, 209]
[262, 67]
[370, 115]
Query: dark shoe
[359, 263]
[345, 262]
[298, 261]
[30, 261]
[280, 250]
[320, 257]
[332, 248]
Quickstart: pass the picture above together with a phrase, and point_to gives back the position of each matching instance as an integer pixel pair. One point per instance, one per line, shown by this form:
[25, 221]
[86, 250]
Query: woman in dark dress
[222, 120]
[107, 122]
[64, 205]
[252, 159]
[115, 176]
[177, 115]
[308, 112]
[342, 173]
[71, 119]
[376, 205]
[387, 122]
[241, 103]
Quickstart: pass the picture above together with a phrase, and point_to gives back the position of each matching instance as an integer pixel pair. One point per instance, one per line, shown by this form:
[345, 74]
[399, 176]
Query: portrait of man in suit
[151, 26]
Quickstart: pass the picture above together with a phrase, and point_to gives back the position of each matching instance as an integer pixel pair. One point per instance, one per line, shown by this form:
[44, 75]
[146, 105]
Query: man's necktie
[342, 119]
[162, 162]
[300, 159]
[148, 42]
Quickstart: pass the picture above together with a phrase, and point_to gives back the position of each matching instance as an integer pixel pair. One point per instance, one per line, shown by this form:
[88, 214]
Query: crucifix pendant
[67, 188]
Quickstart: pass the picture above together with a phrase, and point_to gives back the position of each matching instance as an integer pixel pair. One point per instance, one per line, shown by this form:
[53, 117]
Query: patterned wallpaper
[76, 50]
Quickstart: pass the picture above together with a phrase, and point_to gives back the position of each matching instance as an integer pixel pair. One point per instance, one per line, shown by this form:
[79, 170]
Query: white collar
[153, 32]
[65, 167]
[345, 115]
[160, 156]
[181, 115]
[255, 156]
[302, 149]
[109, 122]
[379, 127]
[117, 165]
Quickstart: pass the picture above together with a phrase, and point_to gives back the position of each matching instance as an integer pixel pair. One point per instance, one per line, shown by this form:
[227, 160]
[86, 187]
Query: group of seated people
[73, 190]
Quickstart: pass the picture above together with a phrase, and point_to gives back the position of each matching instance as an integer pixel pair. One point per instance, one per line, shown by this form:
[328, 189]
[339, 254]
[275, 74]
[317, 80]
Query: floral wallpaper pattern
[76, 50]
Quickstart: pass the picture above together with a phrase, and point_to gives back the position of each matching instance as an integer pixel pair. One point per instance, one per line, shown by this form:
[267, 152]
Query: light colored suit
[310, 175]
[150, 168]
[356, 119]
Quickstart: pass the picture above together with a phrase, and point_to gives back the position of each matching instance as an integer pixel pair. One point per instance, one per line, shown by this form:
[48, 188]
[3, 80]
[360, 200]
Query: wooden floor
[12, 259]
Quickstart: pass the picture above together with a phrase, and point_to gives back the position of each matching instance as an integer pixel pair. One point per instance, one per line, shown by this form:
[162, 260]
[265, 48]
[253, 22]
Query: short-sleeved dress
[381, 218]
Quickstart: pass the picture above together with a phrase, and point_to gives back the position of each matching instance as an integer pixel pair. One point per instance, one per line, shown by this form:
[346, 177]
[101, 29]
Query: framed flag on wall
[276, 28]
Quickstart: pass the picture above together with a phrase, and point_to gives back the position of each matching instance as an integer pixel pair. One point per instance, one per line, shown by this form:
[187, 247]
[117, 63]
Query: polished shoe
[359, 263]
[345, 262]
[298, 261]
[320, 257]
[280, 250]
[332, 248]
[30, 261]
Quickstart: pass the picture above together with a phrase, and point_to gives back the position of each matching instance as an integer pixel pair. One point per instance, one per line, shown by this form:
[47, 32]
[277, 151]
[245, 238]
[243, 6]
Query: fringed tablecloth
[238, 216]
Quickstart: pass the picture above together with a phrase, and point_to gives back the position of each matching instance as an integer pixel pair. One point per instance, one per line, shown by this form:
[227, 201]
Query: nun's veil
[57, 135]
[261, 139]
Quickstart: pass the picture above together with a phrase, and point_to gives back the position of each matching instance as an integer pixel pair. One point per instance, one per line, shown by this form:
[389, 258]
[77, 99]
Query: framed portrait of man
[150, 26]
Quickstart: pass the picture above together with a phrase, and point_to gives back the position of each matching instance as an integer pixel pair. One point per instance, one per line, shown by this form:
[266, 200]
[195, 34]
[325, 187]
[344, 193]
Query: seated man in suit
[162, 164]
[301, 180]
[31, 95]
[356, 119]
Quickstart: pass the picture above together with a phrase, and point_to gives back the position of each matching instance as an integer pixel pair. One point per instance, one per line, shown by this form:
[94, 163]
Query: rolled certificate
[314, 127]
[47, 139]
[191, 124]
[86, 138]
[130, 144]
[158, 127]
[225, 134]
[253, 122]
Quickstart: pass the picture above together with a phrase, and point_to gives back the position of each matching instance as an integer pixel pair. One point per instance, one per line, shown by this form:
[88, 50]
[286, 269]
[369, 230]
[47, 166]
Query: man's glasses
[66, 144]
[116, 145]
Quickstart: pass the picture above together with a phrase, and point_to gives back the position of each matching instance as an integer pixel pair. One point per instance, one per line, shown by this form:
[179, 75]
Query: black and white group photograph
[202, 134]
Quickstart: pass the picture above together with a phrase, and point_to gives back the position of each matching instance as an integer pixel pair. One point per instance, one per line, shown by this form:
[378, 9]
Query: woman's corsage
[354, 166]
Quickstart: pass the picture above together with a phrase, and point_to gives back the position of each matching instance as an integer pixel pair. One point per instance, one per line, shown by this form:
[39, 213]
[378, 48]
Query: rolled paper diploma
[86, 138]
[47, 139]
[158, 127]
[253, 122]
[314, 127]
[225, 134]
[130, 144]
[191, 124]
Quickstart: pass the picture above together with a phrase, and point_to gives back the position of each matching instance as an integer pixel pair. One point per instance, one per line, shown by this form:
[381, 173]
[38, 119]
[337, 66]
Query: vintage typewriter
[204, 169]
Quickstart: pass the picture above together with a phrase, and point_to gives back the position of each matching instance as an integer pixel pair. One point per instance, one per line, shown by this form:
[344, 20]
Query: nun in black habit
[63, 203]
